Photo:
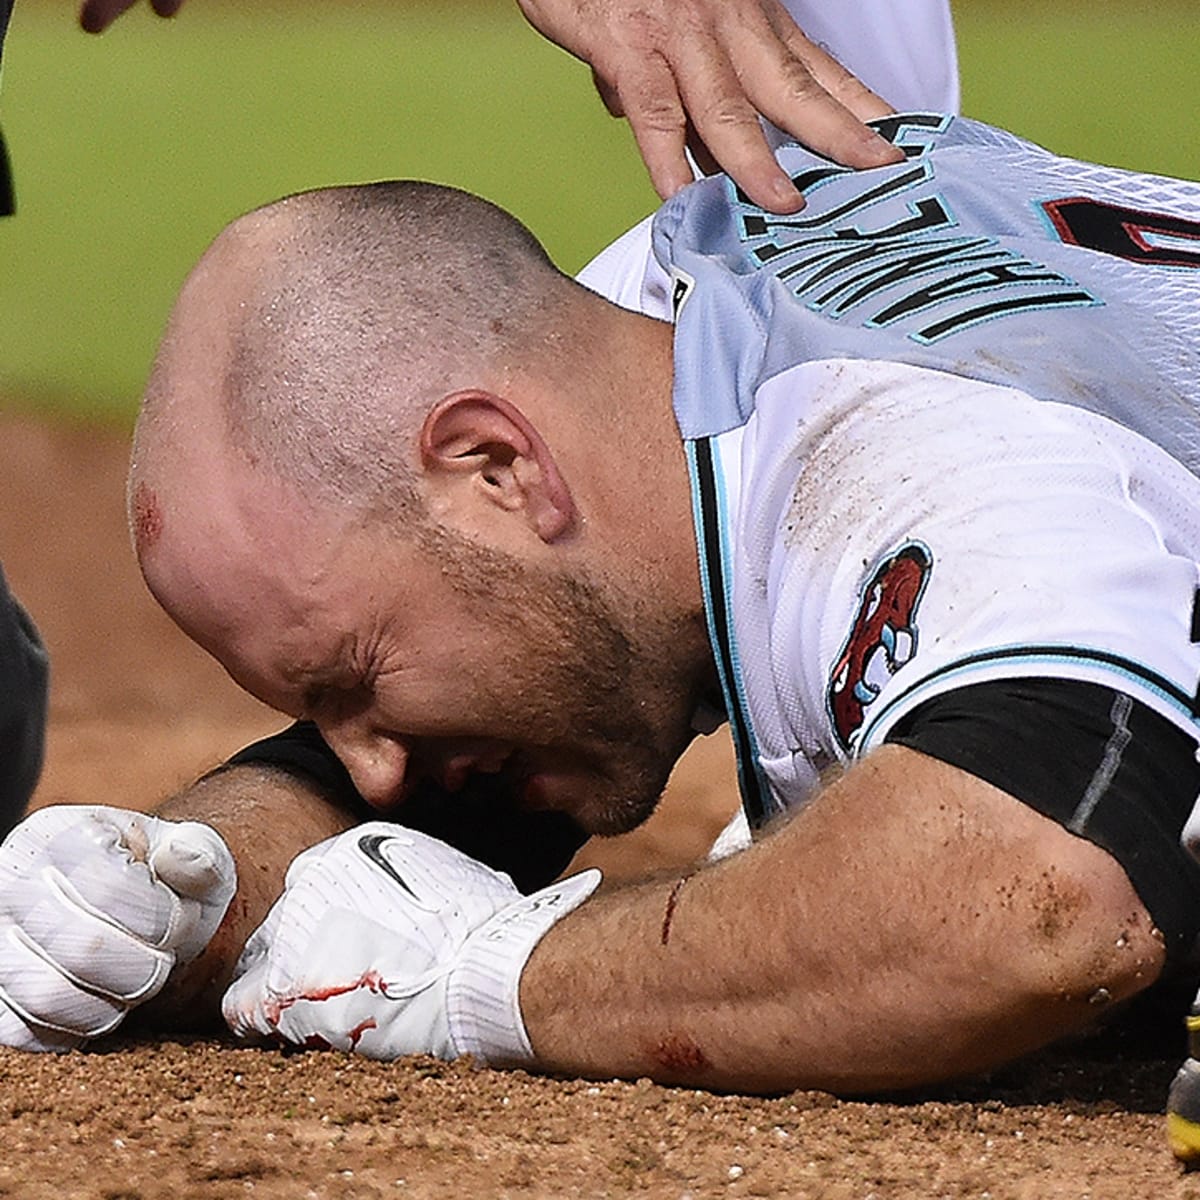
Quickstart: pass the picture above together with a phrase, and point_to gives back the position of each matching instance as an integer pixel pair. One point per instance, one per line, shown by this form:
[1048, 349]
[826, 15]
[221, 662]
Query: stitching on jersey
[1110, 763]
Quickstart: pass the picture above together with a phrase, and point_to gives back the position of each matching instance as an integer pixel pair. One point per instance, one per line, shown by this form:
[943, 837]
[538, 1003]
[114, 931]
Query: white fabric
[389, 942]
[97, 906]
[734, 838]
[901, 49]
[1058, 543]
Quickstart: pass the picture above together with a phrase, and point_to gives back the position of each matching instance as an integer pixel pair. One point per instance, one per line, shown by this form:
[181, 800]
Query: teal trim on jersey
[1146, 679]
[713, 549]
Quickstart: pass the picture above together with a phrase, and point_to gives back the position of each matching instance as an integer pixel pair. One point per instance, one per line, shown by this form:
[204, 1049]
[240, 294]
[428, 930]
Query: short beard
[595, 678]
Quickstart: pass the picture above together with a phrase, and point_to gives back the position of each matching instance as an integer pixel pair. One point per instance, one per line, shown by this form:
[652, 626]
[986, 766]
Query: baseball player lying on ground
[725, 63]
[906, 485]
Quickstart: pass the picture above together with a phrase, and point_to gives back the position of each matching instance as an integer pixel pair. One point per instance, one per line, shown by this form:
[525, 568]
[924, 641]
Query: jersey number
[1159, 239]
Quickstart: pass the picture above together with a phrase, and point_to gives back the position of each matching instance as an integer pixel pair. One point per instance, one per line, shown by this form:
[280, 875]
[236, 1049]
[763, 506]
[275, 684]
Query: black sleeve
[482, 820]
[1092, 758]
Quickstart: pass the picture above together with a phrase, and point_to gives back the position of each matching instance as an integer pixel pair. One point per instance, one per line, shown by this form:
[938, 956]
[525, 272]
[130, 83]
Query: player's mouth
[454, 772]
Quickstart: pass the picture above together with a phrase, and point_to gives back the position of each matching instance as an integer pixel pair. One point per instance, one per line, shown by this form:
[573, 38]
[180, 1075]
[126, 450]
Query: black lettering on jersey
[823, 258]
[805, 182]
[760, 223]
[835, 261]
[1157, 239]
[898, 260]
[987, 278]
[909, 131]
[900, 265]
[999, 308]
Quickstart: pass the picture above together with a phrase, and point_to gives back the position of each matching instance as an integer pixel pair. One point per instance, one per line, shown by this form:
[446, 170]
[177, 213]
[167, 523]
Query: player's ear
[485, 443]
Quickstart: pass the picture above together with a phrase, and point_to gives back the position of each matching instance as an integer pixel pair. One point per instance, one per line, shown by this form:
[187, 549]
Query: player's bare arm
[266, 817]
[912, 923]
[963, 931]
[106, 913]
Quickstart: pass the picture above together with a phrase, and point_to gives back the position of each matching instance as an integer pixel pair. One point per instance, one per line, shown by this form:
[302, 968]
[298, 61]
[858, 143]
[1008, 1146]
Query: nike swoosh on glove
[389, 942]
[97, 906]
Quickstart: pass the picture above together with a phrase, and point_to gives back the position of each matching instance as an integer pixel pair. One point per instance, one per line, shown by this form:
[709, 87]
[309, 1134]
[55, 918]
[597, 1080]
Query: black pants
[24, 672]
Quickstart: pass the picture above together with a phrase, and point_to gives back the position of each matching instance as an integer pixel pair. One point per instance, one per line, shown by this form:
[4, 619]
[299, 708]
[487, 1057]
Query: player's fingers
[97, 15]
[191, 859]
[101, 876]
[194, 862]
[166, 8]
[19, 1034]
[89, 950]
[244, 1005]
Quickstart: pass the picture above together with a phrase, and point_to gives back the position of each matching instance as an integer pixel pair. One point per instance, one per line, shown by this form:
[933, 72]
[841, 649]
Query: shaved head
[326, 324]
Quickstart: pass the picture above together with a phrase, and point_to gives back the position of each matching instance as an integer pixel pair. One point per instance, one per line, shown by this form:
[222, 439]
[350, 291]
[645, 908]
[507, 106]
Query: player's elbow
[1082, 942]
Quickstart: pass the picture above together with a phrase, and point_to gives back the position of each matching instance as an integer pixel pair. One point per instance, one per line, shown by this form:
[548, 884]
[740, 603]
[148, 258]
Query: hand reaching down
[97, 906]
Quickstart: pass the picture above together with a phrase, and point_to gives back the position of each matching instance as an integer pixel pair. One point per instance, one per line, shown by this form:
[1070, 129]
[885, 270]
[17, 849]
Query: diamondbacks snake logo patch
[882, 638]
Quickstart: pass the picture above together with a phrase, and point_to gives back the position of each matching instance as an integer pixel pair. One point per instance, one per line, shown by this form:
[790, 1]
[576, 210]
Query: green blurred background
[132, 149]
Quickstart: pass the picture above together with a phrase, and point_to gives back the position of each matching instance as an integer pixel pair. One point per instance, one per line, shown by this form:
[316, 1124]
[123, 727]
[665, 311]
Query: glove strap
[483, 998]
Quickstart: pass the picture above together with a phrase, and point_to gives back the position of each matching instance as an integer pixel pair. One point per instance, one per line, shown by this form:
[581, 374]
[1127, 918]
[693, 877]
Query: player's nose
[377, 761]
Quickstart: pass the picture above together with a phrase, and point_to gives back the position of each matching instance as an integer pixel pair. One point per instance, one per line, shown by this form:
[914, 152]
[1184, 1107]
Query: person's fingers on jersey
[847, 89]
[726, 122]
[166, 8]
[97, 15]
[803, 90]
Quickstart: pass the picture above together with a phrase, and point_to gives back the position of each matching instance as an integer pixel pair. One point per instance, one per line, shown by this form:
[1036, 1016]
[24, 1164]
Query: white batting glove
[97, 906]
[390, 942]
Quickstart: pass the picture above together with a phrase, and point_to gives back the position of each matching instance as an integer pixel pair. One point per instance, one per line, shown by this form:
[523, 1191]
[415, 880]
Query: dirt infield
[136, 711]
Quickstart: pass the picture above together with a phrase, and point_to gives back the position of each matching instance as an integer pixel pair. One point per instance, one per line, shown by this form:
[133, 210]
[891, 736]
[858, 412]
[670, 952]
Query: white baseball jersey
[943, 428]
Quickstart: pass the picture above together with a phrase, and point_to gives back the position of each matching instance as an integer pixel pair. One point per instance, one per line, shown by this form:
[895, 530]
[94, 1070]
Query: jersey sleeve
[943, 533]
